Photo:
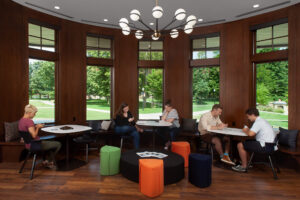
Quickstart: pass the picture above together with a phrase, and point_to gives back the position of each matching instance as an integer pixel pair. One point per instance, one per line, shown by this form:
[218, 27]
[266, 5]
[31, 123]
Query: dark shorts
[253, 146]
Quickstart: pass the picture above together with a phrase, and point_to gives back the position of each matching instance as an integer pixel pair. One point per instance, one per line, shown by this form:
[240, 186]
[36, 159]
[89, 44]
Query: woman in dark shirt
[125, 124]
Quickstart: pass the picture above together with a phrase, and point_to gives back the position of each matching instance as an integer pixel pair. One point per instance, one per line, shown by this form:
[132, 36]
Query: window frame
[40, 54]
[271, 24]
[151, 50]
[45, 25]
[99, 36]
[205, 36]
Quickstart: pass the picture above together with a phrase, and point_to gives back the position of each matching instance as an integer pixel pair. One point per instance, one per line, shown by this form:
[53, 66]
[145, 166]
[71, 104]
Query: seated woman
[168, 134]
[26, 124]
[125, 124]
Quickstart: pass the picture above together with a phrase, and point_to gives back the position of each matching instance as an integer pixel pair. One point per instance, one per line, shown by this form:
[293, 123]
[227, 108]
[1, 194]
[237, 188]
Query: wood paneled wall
[236, 93]
[13, 65]
[294, 67]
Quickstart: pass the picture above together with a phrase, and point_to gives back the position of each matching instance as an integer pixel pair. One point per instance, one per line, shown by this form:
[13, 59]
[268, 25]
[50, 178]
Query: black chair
[35, 148]
[268, 152]
[85, 139]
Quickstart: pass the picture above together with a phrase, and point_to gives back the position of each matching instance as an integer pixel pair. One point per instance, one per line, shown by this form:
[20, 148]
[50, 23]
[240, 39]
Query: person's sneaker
[227, 160]
[239, 168]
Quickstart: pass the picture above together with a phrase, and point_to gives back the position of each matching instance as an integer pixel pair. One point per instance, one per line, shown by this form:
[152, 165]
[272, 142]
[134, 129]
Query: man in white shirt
[263, 133]
[211, 121]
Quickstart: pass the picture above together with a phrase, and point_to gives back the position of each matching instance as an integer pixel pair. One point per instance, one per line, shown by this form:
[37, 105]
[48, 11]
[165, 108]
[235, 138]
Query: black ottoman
[200, 170]
[173, 165]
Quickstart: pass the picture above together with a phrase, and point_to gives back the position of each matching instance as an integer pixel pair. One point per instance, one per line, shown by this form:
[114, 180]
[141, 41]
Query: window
[272, 92]
[40, 37]
[42, 89]
[206, 87]
[98, 93]
[150, 93]
[98, 47]
[206, 47]
[272, 38]
[151, 50]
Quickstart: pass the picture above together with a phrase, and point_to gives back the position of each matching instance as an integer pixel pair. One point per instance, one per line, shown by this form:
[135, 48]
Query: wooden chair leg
[250, 161]
[272, 166]
[24, 163]
[33, 166]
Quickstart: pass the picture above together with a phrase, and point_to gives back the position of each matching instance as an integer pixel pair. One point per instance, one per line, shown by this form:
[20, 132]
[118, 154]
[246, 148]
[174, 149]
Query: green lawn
[272, 117]
[98, 104]
[46, 111]
[92, 115]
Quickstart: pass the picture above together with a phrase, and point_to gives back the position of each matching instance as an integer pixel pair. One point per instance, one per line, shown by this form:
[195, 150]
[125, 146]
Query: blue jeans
[129, 130]
[167, 133]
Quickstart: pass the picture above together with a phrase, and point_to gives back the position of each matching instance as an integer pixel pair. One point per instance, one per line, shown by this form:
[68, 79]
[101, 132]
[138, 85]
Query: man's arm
[248, 131]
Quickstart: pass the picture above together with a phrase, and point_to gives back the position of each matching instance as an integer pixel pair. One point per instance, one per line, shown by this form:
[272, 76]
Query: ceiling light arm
[156, 24]
[141, 21]
[164, 28]
[181, 25]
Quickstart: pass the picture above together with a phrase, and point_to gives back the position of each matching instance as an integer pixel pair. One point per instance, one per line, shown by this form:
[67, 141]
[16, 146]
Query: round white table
[67, 130]
[230, 132]
[153, 124]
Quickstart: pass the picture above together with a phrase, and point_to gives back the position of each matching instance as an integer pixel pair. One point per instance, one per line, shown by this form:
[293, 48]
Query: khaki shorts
[209, 136]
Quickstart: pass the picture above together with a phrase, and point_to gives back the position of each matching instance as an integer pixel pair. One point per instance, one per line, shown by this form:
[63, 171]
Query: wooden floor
[86, 183]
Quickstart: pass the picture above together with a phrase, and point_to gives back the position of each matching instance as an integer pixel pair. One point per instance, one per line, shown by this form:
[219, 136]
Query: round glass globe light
[180, 14]
[157, 12]
[126, 30]
[188, 29]
[154, 38]
[191, 20]
[135, 15]
[123, 22]
[139, 34]
[174, 33]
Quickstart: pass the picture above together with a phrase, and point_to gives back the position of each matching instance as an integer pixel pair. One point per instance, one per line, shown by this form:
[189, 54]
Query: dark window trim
[44, 24]
[268, 24]
[209, 35]
[100, 36]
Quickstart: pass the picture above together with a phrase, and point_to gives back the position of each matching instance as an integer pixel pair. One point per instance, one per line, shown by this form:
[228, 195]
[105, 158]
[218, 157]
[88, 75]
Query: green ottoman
[110, 160]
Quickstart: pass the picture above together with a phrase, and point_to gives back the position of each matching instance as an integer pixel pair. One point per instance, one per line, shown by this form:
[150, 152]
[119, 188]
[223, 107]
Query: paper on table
[151, 154]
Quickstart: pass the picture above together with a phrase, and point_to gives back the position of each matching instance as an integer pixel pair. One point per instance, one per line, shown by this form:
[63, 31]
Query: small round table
[173, 165]
[155, 125]
[67, 164]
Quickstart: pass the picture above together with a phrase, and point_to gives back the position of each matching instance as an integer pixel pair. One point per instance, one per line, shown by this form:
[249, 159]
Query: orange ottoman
[183, 149]
[151, 172]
